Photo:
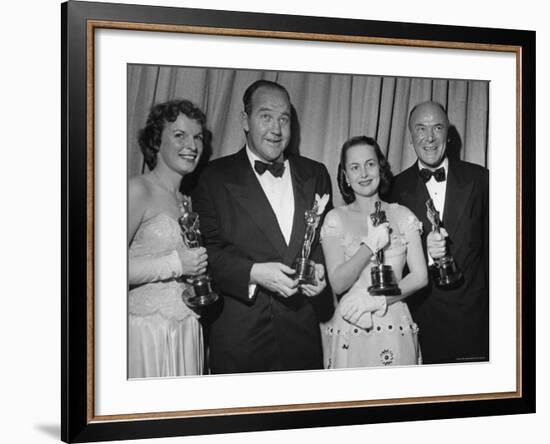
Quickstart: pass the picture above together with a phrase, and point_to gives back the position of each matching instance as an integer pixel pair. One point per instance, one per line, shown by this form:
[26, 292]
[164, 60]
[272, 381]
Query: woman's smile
[189, 155]
[364, 182]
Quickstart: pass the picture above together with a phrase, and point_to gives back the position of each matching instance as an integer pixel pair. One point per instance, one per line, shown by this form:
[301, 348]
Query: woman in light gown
[164, 334]
[369, 330]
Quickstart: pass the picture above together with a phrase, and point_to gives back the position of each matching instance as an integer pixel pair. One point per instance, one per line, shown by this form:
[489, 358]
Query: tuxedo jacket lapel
[456, 197]
[248, 192]
[303, 187]
[420, 204]
[414, 197]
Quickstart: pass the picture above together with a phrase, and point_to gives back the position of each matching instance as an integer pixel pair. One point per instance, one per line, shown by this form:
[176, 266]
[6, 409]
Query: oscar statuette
[444, 270]
[203, 294]
[305, 267]
[382, 276]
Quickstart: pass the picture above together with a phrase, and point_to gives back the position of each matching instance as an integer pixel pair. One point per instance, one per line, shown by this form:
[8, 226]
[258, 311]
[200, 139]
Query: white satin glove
[358, 306]
[154, 267]
[377, 237]
[364, 321]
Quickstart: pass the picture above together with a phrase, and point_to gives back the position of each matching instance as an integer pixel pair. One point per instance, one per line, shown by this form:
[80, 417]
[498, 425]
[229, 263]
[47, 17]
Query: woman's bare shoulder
[336, 215]
[139, 189]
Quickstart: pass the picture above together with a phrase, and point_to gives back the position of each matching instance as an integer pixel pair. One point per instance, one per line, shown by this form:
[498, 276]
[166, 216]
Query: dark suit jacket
[454, 323]
[266, 332]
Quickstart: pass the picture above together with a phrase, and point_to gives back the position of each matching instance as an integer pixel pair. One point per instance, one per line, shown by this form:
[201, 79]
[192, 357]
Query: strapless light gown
[164, 335]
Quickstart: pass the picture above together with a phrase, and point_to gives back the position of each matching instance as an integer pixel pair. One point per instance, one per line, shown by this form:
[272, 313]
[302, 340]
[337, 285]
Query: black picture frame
[79, 19]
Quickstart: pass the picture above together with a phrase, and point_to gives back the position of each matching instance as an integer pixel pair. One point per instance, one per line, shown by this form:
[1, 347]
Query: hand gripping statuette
[305, 267]
[382, 276]
[190, 232]
[444, 269]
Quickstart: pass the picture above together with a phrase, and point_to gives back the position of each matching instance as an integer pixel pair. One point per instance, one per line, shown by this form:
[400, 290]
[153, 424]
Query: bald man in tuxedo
[454, 322]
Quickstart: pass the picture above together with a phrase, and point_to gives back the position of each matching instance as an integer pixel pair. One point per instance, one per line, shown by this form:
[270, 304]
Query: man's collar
[252, 157]
[444, 164]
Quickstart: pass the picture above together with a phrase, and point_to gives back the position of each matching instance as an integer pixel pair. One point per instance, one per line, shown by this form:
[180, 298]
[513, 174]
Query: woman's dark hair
[385, 172]
[150, 136]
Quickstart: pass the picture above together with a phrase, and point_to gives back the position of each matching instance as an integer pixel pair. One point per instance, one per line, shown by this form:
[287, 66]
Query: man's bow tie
[276, 168]
[439, 174]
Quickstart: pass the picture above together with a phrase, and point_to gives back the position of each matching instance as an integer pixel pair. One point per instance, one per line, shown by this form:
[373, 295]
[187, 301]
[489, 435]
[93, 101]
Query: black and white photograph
[276, 222]
[286, 221]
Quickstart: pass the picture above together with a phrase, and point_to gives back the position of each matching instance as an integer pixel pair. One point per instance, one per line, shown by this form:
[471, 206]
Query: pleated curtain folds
[330, 108]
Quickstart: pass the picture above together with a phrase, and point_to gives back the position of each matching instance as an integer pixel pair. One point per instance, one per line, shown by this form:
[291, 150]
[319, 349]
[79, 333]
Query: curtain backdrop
[330, 108]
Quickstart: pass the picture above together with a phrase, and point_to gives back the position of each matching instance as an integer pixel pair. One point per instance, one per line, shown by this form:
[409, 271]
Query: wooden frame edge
[92, 25]
[234, 32]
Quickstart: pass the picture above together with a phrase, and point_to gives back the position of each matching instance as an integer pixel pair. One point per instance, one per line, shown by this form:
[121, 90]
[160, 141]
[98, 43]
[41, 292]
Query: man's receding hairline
[433, 105]
[272, 88]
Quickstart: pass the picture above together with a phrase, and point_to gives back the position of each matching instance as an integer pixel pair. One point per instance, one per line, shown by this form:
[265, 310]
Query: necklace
[176, 194]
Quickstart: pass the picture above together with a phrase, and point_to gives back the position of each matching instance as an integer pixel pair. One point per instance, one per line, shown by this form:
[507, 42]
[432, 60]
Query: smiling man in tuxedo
[251, 206]
[454, 322]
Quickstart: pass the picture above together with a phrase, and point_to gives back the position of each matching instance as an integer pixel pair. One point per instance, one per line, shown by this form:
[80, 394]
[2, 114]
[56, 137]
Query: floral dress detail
[164, 335]
[390, 337]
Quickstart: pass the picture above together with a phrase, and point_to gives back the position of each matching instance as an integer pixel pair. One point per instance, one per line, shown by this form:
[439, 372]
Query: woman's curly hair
[385, 172]
[150, 136]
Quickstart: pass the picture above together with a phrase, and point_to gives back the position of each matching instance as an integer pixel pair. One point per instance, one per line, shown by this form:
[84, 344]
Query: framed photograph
[148, 353]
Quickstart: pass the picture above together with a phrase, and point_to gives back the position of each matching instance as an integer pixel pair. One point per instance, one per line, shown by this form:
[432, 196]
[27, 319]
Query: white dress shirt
[280, 195]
